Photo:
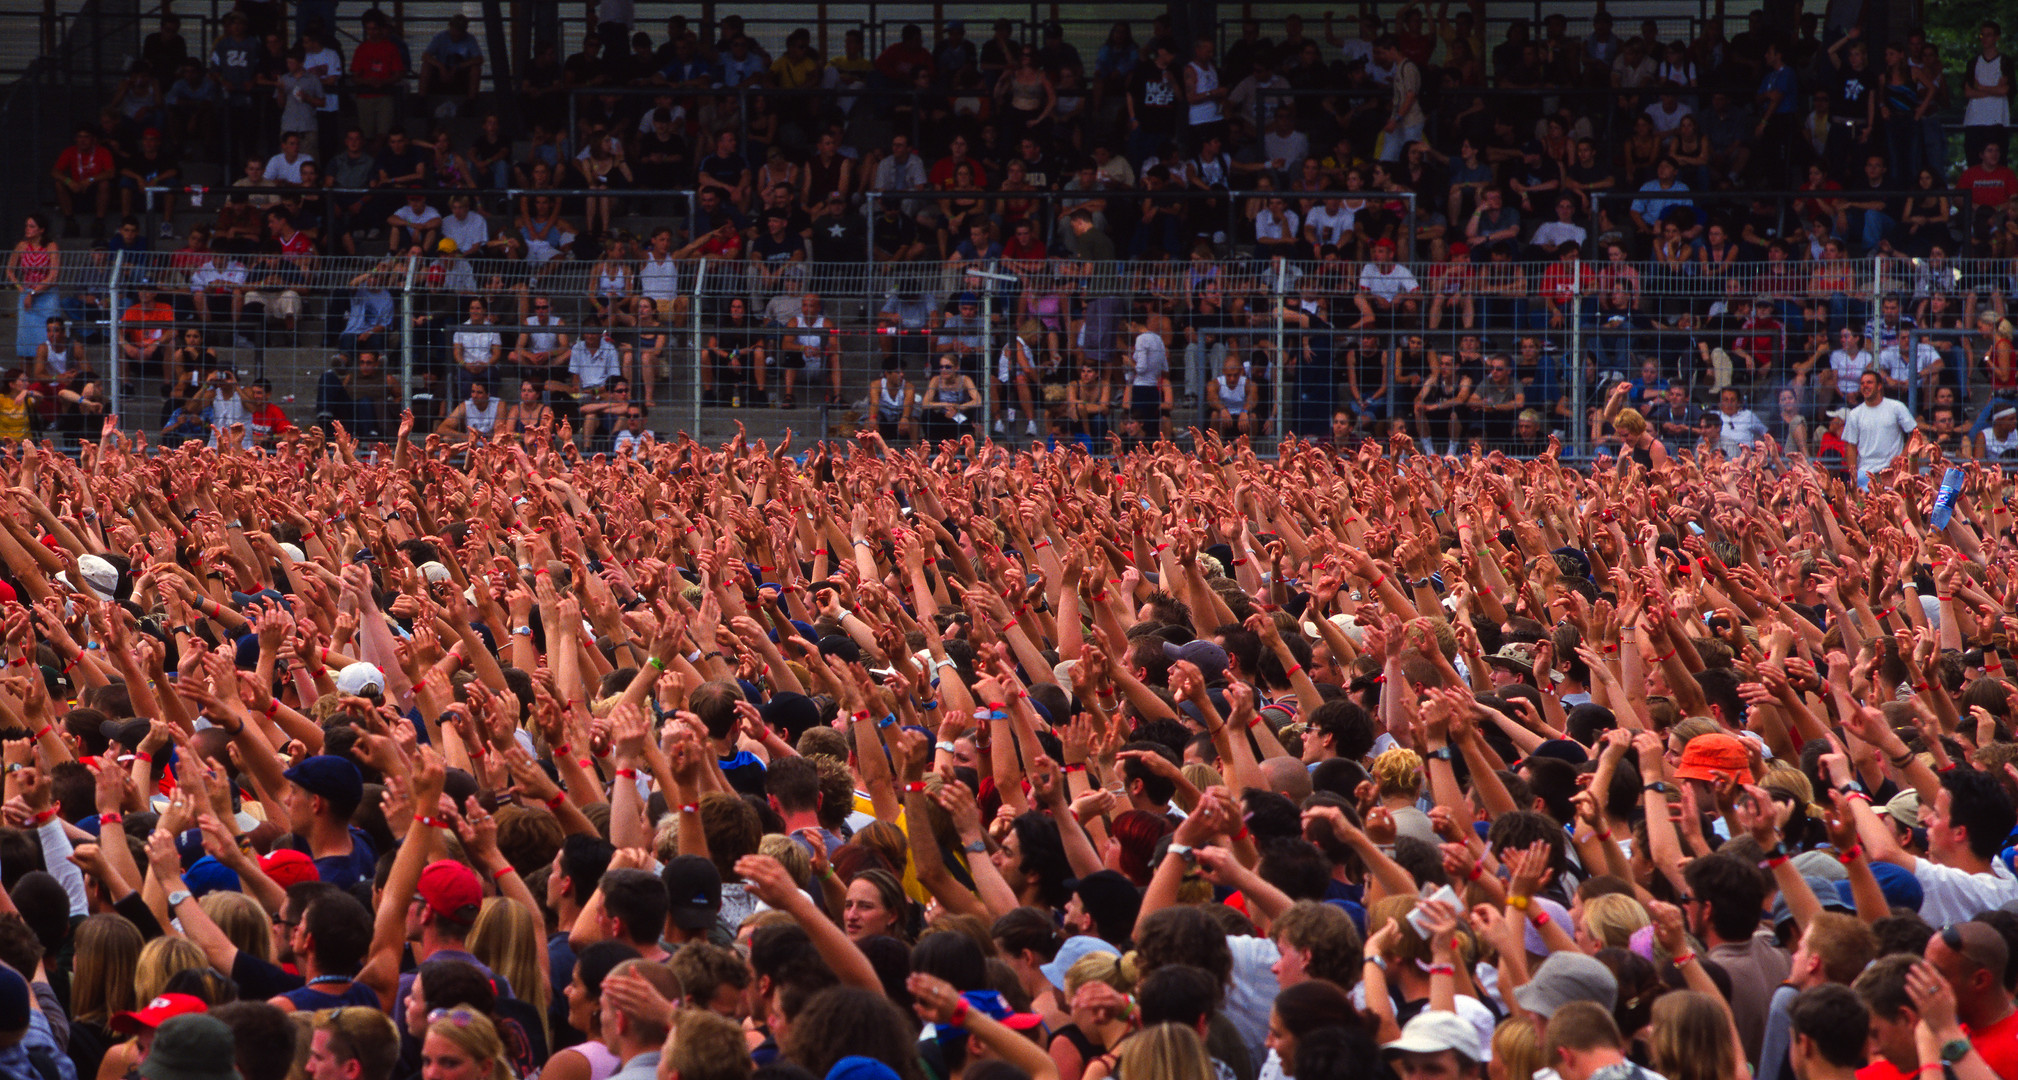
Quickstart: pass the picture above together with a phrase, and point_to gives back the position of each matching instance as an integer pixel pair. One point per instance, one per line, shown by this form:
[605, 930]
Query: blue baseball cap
[331, 777]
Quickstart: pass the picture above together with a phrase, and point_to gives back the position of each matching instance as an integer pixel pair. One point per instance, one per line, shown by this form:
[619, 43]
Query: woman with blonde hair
[161, 960]
[1398, 774]
[463, 1044]
[508, 939]
[1609, 921]
[1092, 1029]
[1162, 1051]
[107, 951]
[1516, 1050]
[243, 921]
[1641, 447]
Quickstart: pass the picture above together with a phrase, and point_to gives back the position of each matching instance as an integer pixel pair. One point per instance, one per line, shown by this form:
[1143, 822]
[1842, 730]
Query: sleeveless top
[949, 396]
[34, 265]
[480, 421]
[13, 418]
[613, 280]
[890, 406]
[543, 340]
[309, 999]
[811, 343]
[59, 360]
[1996, 449]
[603, 1062]
[659, 279]
[1204, 112]
[1232, 396]
[823, 178]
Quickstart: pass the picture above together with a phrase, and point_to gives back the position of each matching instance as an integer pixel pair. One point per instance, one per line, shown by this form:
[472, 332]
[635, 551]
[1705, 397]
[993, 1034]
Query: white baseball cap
[359, 677]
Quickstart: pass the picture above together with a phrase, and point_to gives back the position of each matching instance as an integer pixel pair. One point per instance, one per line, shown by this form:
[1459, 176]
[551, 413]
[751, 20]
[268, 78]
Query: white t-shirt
[1557, 233]
[427, 217]
[479, 344]
[1894, 365]
[1848, 370]
[1984, 111]
[1389, 285]
[323, 65]
[1330, 226]
[1878, 432]
[1152, 360]
[282, 171]
[1269, 227]
[469, 233]
[1955, 895]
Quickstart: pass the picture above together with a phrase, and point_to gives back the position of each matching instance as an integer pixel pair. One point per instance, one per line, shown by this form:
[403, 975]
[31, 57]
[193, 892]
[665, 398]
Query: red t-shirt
[1880, 1069]
[1989, 187]
[1998, 1043]
[81, 167]
[267, 422]
[376, 60]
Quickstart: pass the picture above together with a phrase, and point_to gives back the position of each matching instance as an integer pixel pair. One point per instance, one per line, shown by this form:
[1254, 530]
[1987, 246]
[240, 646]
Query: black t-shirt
[414, 159]
[1597, 173]
[778, 250]
[892, 234]
[1850, 93]
[582, 69]
[1156, 95]
[673, 147]
[732, 336]
[1546, 172]
[139, 162]
[729, 170]
[840, 238]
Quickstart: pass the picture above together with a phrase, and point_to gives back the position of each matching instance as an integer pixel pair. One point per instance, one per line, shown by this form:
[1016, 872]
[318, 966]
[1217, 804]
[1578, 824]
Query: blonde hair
[1116, 971]
[160, 960]
[243, 921]
[1691, 1039]
[1611, 919]
[1203, 777]
[1407, 945]
[476, 1036]
[1629, 422]
[1398, 771]
[789, 855]
[1166, 1052]
[1517, 1049]
[101, 984]
[508, 939]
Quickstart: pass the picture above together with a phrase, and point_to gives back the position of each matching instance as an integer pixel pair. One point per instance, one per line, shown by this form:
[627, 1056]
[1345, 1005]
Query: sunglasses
[460, 1017]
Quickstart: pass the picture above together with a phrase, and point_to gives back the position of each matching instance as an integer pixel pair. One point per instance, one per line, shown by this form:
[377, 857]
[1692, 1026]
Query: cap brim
[691, 918]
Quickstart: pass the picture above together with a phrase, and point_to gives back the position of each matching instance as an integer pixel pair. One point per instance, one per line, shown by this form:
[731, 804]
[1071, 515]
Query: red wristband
[502, 871]
[627, 774]
[46, 729]
[554, 803]
[114, 818]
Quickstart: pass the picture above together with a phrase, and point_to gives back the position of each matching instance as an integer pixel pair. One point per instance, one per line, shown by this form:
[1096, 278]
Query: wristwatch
[1184, 851]
[176, 898]
[1441, 753]
[975, 846]
[1660, 786]
[1955, 1050]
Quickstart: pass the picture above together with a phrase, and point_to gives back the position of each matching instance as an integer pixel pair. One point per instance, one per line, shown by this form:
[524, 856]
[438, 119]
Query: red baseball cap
[288, 867]
[158, 1010]
[1715, 757]
[452, 891]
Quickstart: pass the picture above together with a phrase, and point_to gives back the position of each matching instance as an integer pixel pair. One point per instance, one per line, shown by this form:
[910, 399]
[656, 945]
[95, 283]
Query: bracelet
[656, 662]
[914, 787]
[1849, 854]
[554, 804]
[564, 749]
[1665, 659]
[1771, 862]
[1477, 871]
[1080, 766]
[1378, 582]
[1441, 969]
[1242, 834]
[113, 818]
[627, 774]
[46, 729]
[142, 755]
[502, 871]
[423, 819]
[1292, 671]
[45, 817]
[958, 1017]
[1902, 760]
[1517, 901]
[887, 721]
[1682, 958]
[1603, 836]
[828, 874]
[1008, 626]
[690, 808]
[1540, 917]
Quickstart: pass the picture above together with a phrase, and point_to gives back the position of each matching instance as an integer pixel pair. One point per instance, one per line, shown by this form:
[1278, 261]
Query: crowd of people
[494, 762]
[1250, 234]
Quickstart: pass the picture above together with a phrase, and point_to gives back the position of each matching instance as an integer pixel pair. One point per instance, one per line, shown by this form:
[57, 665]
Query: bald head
[1972, 957]
[1288, 777]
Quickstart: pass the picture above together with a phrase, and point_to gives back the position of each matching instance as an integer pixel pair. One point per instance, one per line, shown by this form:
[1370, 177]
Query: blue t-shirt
[309, 999]
[343, 871]
[1781, 79]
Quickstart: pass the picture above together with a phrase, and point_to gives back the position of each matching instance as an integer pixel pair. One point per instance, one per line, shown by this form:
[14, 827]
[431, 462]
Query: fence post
[1579, 430]
[1281, 356]
[113, 310]
[406, 330]
[694, 317]
[987, 340]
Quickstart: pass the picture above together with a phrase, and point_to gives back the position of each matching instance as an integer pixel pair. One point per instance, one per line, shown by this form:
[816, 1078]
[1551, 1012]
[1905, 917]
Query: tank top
[1026, 97]
[1005, 361]
[1204, 112]
[1997, 449]
[890, 405]
[480, 421]
[13, 419]
[945, 395]
[824, 177]
[812, 343]
[59, 359]
[659, 279]
[603, 1062]
[543, 341]
[309, 999]
[1232, 396]
[614, 281]
[34, 265]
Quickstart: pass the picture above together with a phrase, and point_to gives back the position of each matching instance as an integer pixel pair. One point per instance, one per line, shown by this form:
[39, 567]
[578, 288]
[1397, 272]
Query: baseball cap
[206, 875]
[432, 570]
[857, 1067]
[101, 578]
[126, 733]
[332, 777]
[157, 1011]
[359, 677]
[1075, 949]
[447, 246]
[287, 867]
[695, 888]
[1706, 756]
[1210, 659]
[1432, 1031]
[1565, 977]
[14, 1001]
[451, 890]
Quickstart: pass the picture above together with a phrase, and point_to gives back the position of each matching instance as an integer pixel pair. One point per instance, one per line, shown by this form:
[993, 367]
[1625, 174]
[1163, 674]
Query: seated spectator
[453, 62]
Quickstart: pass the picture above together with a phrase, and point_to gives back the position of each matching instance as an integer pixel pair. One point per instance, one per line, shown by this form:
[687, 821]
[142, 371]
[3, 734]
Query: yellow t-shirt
[912, 888]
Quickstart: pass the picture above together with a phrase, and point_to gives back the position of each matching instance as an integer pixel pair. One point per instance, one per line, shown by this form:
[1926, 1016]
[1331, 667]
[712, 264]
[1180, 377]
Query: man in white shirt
[285, 167]
[1552, 235]
[1967, 822]
[1148, 383]
[634, 431]
[1849, 363]
[1741, 426]
[1876, 429]
[1385, 288]
[414, 225]
[466, 225]
[595, 360]
[477, 346]
[1327, 225]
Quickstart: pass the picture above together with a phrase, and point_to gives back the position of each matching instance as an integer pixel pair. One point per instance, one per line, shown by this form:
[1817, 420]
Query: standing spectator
[1203, 95]
[1876, 431]
[1405, 114]
[232, 60]
[377, 72]
[1988, 86]
[904, 58]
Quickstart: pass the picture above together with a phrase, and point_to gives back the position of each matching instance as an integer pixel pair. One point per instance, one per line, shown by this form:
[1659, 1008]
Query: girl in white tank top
[1204, 112]
[480, 422]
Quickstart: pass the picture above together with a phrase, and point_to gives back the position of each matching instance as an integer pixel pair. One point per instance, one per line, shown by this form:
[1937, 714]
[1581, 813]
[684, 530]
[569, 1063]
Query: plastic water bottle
[1944, 502]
